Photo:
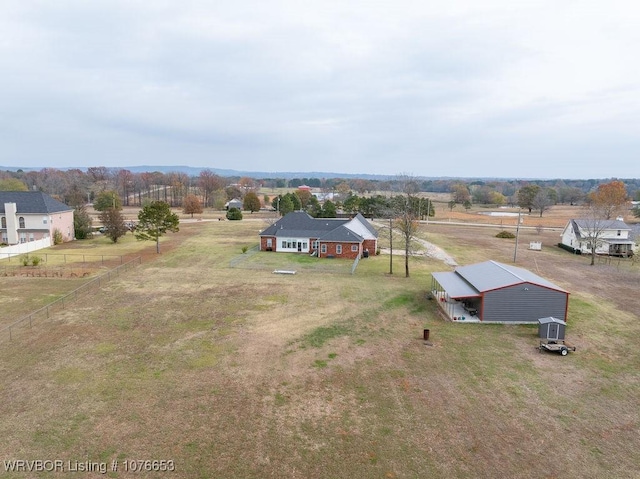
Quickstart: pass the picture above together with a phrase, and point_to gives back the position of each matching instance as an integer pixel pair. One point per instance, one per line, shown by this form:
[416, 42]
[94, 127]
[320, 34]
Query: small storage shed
[551, 328]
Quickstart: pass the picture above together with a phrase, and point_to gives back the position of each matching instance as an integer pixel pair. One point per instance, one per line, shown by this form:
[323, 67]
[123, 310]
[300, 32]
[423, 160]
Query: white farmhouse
[611, 237]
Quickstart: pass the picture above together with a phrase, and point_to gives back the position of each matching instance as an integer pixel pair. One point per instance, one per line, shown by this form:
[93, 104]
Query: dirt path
[430, 250]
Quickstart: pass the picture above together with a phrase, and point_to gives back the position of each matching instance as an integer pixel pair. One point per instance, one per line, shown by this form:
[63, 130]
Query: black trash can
[426, 335]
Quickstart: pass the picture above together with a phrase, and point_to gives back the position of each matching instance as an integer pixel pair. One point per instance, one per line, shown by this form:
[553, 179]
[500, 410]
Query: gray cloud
[434, 88]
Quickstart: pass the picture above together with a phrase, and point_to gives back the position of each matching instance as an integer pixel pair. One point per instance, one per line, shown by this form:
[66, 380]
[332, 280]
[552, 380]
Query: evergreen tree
[154, 220]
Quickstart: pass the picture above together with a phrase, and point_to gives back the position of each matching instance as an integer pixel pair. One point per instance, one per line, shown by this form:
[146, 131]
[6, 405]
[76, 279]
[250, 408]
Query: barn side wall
[524, 303]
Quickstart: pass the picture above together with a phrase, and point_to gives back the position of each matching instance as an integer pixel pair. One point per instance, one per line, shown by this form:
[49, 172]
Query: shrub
[505, 234]
[36, 260]
[245, 249]
[24, 259]
[234, 214]
[57, 237]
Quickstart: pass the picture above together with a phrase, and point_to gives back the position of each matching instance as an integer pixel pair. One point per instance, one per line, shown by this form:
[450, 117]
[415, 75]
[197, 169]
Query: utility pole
[515, 251]
[390, 245]
[428, 210]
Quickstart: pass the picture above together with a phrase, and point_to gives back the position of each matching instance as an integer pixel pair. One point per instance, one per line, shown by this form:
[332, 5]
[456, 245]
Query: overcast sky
[466, 88]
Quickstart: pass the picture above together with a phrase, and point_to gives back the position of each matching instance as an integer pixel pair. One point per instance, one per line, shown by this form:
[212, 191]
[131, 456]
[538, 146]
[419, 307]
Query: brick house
[298, 232]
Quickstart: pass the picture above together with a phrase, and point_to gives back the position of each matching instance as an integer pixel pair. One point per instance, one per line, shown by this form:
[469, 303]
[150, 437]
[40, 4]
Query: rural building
[234, 203]
[612, 237]
[493, 292]
[298, 232]
[27, 216]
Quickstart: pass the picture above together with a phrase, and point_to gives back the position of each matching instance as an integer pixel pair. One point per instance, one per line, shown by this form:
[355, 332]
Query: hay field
[238, 372]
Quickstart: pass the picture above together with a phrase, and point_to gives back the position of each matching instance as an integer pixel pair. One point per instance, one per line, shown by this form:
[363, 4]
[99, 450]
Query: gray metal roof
[492, 275]
[551, 319]
[455, 285]
[32, 202]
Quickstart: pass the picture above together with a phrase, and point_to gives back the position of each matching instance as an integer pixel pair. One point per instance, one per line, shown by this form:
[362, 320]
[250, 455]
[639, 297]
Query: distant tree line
[120, 187]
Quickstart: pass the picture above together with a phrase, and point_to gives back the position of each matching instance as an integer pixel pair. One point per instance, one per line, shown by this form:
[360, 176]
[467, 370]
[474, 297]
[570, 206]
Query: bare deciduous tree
[406, 217]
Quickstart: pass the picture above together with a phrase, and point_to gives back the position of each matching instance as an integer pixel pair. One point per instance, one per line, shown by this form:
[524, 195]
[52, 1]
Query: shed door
[553, 331]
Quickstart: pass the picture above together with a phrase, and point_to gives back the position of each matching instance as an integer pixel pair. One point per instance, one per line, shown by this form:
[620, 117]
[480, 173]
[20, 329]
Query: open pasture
[239, 372]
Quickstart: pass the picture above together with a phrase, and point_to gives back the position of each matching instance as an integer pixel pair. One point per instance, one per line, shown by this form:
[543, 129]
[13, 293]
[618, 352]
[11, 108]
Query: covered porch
[456, 298]
[623, 248]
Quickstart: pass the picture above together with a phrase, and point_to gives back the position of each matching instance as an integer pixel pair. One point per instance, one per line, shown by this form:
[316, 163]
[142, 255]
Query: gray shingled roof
[597, 225]
[299, 224]
[32, 202]
[342, 234]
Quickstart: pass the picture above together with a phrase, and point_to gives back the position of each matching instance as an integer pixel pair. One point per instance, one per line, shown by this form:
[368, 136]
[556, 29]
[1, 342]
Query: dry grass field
[202, 356]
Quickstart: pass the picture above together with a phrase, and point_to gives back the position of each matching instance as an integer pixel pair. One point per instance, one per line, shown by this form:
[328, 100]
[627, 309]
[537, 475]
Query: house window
[4, 222]
[304, 245]
[5, 239]
[31, 237]
[44, 220]
[619, 232]
[315, 244]
[338, 249]
[21, 222]
[354, 248]
[23, 237]
[323, 248]
[269, 242]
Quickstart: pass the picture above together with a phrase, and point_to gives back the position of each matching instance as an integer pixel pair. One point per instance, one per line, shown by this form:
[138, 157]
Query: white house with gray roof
[298, 232]
[611, 237]
[493, 292]
[27, 216]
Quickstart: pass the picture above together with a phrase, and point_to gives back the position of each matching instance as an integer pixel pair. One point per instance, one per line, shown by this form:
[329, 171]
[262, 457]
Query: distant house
[27, 216]
[234, 203]
[493, 292]
[612, 237]
[298, 232]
